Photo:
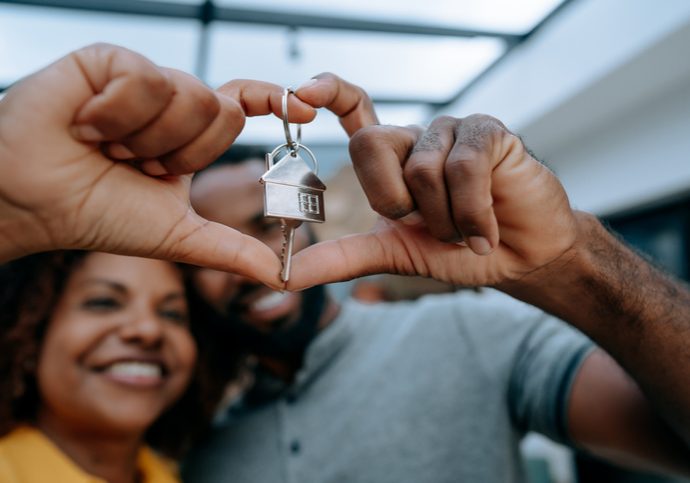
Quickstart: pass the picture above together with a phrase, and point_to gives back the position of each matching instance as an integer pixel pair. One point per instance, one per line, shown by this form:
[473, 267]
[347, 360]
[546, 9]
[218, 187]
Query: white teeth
[270, 301]
[135, 369]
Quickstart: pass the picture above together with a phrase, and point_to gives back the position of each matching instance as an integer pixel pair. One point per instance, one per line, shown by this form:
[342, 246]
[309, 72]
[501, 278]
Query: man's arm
[608, 415]
[464, 202]
[639, 314]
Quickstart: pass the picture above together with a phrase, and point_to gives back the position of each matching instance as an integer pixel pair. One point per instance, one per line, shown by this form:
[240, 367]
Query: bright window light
[387, 66]
[500, 15]
[32, 37]
[187, 2]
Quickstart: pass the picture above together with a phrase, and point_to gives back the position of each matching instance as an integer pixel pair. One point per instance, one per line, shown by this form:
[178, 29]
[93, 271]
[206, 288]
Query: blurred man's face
[233, 196]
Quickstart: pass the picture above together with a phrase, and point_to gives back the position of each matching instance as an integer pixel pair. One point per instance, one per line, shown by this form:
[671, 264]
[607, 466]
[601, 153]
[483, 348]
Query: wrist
[556, 286]
[20, 233]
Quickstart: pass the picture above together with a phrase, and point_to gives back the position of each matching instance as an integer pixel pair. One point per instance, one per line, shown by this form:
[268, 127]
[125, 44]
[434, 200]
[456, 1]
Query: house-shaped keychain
[291, 189]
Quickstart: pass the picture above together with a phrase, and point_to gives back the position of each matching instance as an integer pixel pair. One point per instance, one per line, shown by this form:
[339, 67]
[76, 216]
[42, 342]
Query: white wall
[603, 94]
[641, 156]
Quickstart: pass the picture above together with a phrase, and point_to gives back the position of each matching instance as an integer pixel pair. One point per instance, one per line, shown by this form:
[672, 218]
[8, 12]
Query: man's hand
[96, 151]
[462, 201]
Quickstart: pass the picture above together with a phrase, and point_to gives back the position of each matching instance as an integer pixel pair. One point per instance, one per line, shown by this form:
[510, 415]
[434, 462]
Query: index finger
[127, 92]
[347, 101]
[378, 155]
[258, 98]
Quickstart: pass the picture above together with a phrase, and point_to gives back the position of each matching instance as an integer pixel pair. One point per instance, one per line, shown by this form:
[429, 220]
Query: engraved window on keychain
[292, 191]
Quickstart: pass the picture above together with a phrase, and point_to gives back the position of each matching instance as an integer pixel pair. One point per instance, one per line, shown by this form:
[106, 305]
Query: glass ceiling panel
[32, 37]
[187, 2]
[387, 66]
[509, 16]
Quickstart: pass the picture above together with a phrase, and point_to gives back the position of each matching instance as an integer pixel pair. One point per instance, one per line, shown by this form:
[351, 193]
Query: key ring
[273, 154]
[292, 145]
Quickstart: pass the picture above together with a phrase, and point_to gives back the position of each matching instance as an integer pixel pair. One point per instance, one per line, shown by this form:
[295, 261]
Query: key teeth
[283, 252]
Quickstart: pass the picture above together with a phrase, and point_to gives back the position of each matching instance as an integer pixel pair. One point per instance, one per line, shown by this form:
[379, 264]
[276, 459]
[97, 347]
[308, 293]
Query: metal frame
[470, 85]
[208, 12]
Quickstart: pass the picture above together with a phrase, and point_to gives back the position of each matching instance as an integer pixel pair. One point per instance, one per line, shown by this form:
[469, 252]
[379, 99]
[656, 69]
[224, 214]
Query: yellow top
[28, 456]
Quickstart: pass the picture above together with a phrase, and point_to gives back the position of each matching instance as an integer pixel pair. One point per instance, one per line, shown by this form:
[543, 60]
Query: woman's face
[117, 351]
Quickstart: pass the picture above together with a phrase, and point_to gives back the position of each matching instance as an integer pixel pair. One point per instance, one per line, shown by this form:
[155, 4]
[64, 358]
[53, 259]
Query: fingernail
[88, 133]
[307, 84]
[120, 151]
[411, 219]
[479, 245]
[153, 167]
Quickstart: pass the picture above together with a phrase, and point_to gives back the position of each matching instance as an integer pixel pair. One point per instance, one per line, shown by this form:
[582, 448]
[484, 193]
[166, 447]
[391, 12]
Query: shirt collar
[26, 445]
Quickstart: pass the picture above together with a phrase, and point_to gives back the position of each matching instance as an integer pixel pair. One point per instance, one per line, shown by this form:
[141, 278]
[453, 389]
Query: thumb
[339, 260]
[220, 247]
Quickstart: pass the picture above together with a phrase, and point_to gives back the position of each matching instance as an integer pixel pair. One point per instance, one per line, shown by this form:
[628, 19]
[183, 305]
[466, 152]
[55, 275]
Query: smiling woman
[99, 359]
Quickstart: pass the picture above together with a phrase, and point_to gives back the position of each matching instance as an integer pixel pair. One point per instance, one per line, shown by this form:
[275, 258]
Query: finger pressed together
[444, 172]
[349, 102]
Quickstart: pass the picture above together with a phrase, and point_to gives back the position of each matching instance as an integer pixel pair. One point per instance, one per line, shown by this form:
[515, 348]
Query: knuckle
[480, 118]
[207, 102]
[232, 116]
[485, 123]
[230, 87]
[361, 94]
[102, 47]
[474, 132]
[431, 140]
[516, 140]
[327, 76]
[367, 140]
[235, 115]
[422, 175]
[467, 165]
[445, 121]
[156, 82]
[415, 130]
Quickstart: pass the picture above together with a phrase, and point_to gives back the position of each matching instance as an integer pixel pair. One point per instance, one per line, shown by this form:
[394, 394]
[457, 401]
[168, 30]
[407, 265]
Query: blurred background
[598, 89]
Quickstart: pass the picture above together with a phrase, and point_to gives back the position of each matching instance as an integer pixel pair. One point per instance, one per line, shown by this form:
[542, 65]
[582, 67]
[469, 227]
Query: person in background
[443, 389]
[103, 357]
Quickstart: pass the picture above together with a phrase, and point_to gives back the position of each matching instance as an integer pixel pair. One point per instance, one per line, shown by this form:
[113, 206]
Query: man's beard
[290, 341]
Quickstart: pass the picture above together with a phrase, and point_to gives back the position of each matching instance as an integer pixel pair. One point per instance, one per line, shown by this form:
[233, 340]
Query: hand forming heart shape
[462, 202]
[76, 137]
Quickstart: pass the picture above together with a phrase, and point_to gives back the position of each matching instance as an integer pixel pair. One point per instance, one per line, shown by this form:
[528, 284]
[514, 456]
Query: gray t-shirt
[438, 390]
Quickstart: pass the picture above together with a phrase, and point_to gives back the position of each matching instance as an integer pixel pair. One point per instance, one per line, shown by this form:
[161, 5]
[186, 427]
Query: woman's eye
[177, 316]
[101, 303]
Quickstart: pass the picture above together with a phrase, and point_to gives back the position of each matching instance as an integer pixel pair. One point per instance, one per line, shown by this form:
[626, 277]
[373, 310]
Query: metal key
[288, 226]
[292, 191]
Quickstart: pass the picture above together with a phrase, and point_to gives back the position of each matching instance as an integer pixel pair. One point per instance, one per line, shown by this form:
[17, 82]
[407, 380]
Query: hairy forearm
[637, 313]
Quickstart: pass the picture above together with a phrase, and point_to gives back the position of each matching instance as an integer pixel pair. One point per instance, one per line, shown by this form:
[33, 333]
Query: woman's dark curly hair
[30, 288]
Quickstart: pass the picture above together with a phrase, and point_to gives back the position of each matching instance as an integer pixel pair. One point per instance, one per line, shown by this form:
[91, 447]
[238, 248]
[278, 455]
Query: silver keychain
[292, 190]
